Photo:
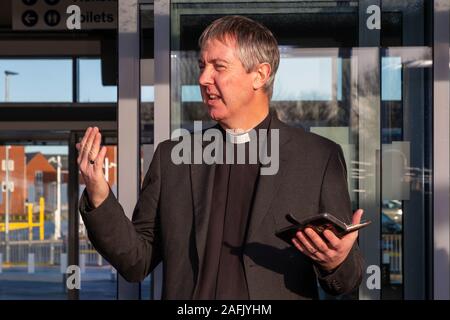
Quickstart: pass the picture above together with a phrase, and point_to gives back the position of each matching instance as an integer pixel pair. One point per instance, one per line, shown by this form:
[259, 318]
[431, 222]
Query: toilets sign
[47, 15]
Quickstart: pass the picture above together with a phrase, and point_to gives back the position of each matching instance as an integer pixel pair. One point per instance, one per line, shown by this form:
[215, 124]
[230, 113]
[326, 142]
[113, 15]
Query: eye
[219, 67]
[201, 65]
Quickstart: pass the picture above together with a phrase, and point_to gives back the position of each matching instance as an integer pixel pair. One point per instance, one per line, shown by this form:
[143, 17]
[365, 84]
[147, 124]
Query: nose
[205, 77]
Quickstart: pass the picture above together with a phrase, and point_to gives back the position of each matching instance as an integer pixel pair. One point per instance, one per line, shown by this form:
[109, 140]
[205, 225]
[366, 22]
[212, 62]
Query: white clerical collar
[237, 136]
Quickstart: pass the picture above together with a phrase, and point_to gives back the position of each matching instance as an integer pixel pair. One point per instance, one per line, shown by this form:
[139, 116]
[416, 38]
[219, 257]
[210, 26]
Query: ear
[262, 74]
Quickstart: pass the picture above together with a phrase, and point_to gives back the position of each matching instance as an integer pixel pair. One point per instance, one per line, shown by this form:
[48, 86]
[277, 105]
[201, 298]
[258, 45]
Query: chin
[216, 115]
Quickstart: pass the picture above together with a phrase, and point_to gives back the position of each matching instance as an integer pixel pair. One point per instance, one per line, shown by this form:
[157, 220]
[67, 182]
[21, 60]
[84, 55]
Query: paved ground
[28, 290]
[47, 283]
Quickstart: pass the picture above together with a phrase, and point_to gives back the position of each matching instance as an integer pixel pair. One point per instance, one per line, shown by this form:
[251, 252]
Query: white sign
[10, 165]
[54, 14]
[11, 186]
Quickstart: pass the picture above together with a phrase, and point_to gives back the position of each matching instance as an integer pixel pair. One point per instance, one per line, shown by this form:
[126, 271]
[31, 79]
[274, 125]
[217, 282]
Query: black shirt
[223, 275]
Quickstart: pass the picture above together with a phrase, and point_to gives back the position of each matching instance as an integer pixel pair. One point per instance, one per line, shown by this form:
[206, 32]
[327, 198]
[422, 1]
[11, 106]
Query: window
[36, 80]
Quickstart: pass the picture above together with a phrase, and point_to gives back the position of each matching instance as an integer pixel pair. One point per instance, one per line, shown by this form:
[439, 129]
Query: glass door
[34, 215]
[358, 73]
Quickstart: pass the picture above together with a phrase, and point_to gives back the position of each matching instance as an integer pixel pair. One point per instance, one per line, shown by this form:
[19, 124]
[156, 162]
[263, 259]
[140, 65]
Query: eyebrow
[200, 61]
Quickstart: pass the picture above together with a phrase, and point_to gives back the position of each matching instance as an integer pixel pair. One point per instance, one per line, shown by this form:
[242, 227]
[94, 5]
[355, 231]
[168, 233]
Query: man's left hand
[328, 255]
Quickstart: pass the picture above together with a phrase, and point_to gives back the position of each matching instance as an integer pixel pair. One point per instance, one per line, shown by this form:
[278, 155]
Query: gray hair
[255, 43]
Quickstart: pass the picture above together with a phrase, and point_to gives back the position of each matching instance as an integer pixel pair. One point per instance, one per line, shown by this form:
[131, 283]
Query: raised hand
[90, 162]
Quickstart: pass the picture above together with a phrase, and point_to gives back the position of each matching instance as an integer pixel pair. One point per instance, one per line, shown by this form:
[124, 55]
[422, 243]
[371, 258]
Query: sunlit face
[227, 89]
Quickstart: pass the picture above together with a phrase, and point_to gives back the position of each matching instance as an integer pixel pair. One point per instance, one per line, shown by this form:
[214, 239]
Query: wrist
[96, 197]
[329, 267]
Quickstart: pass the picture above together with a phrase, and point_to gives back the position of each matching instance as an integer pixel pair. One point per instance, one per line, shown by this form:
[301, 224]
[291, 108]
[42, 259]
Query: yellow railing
[393, 252]
[29, 224]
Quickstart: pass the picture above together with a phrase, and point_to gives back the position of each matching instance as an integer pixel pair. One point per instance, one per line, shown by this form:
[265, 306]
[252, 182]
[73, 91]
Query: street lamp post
[57, 216]
[7, 75]
[7, 203]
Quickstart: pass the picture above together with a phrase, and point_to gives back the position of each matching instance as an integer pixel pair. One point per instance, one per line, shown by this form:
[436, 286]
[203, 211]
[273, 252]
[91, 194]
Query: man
[213, 226]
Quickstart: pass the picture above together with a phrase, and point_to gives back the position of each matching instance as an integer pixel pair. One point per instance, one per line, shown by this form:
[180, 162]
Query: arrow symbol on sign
[29, 18]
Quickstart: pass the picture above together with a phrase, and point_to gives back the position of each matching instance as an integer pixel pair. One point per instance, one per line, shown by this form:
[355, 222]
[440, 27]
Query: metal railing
[48, 252]
[393, 254]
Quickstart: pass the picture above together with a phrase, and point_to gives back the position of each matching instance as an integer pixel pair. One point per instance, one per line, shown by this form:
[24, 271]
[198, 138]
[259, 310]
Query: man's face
[227, 89]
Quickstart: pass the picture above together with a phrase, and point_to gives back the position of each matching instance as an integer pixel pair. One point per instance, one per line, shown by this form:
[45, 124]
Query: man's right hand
[90, 161]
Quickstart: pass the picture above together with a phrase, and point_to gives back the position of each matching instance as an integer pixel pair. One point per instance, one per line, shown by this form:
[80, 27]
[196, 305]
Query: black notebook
[319, 223]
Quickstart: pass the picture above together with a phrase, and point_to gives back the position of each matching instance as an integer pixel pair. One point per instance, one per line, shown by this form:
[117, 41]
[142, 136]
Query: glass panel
[188, 20]
[147, 72]
[369, 91]
[36, 80]
[406, 125]
[98, 277]
[45, 62]
[406, 150]
[147, 107]
[315, 85]
[33, 222]
[92, 82]
[48, 63]
[317, 80]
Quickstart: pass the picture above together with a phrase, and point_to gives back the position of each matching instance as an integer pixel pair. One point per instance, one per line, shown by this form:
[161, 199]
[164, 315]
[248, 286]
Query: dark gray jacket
[170, 222]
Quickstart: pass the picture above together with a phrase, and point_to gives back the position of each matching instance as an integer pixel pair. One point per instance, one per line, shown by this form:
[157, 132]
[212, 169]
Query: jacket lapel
[202, 181]
[268, 184]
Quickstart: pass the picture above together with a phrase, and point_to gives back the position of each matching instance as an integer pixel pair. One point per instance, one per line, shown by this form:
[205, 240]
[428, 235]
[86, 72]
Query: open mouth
[213, 97]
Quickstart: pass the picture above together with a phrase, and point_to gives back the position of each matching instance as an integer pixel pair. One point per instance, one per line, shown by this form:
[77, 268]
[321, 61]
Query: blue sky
[91, 87]
[50, 80]
[38, 80]
[49, 150]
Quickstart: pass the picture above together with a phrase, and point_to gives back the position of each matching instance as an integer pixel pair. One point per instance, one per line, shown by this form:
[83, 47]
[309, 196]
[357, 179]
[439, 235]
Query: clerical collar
[236, 136]
[239, 136]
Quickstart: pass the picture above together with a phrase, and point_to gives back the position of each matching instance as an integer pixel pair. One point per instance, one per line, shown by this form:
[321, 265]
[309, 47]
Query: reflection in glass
[304, 78]
[33, 222]
[98, 277]
[147, 107]
[371, 94]
[405, 160]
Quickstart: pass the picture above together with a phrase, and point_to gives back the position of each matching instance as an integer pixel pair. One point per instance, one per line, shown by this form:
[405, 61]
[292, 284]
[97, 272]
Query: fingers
[93, 153]
[329, 252]
[89, 149]
[356, 219]
[317, 240]
[312, 250]
[98, 166]
[81, 144]
[357, 216]
[86, 135]
[303, 249]
[86, 148]
[308, 245]
[333, 240]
